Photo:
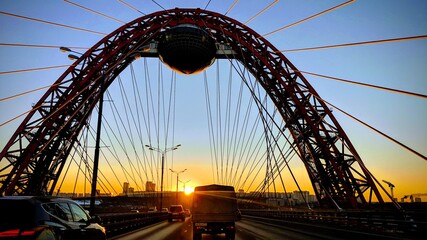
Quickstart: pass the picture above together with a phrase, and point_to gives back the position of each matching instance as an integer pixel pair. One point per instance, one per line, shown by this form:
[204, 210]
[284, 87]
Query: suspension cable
[367, 85]
[120, 141]
[36, 46]
[28, 92]
[231, 7]
[130, 6]
[207, 4]
[214, 156]
[374, 129]
[138, 102]
[51, 23]
[262, 11]
[158, 5]
[93, 11]
[358, 43]
[33, 69]
[311, 17]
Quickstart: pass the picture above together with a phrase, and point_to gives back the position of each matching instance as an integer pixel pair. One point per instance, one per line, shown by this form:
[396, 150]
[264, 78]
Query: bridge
[258, 228]
[111, 122]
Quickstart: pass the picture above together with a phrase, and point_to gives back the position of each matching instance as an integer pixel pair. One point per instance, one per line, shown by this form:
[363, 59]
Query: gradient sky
[399, 65]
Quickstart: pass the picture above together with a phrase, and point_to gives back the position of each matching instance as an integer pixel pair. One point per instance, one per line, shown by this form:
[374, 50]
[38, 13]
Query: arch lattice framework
[36, 154]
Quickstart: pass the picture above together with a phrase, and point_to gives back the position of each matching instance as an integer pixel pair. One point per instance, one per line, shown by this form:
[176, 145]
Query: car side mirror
[95, 219]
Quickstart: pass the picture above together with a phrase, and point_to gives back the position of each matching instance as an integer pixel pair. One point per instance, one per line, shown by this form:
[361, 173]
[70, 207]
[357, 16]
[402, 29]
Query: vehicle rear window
[16, 214]
[60, 210]
[210, 202]
[176, 209]
[79, 214]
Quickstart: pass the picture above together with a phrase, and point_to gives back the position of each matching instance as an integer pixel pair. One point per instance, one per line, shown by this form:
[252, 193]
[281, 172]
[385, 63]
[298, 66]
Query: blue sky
[399, 65]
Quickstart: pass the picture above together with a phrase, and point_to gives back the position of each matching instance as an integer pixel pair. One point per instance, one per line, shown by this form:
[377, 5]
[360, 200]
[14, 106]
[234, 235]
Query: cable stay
[37, 46]
[310, 17]
[375, 130]
[33, 69]
[367, 85]
[262, 11]
[52, 23]
[130, 6]
[93, 11]
[358, 43]
[231, 7]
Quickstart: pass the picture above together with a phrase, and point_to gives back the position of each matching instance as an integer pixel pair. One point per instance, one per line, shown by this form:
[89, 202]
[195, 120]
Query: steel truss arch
[37, 151]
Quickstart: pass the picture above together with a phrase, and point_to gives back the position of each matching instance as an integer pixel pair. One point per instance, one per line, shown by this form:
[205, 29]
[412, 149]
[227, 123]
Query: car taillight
[28, 233]
[10, 233]
[16, 233]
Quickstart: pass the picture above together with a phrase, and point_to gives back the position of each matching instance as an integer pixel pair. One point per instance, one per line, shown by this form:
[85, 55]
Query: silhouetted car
[176, 212]
[29, 217]
[152, 209]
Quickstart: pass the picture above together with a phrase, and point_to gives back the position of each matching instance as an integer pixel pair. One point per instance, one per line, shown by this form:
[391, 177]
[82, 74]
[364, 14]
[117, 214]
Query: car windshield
[176, 209]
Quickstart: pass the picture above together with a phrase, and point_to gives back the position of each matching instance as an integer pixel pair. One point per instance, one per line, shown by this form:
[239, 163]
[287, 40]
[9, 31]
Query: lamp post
[163, 166]
[96, 157]
[98, 134]
[70, 56]
[184, 183]
[177, 180]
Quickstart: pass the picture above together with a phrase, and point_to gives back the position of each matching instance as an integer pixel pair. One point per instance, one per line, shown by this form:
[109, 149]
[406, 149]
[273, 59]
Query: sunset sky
[397, 64]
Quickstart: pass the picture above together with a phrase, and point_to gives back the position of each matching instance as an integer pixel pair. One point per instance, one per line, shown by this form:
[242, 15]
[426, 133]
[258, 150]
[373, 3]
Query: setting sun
[188, 190]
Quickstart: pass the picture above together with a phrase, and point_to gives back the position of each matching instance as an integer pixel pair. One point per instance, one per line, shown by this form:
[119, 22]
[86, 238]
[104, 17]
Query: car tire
[197, 236]
[230, 236]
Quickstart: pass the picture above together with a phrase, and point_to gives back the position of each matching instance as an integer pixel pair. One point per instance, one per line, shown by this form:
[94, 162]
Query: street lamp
[70, 56]
[163, 166]
[184, 183]
[98, 135]
[177, 180]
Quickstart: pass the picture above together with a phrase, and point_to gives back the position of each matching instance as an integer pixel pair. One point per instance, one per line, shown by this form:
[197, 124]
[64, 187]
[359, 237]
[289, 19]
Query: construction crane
[391, 186]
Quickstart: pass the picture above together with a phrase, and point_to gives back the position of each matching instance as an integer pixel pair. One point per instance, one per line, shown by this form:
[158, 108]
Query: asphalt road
[245, 230]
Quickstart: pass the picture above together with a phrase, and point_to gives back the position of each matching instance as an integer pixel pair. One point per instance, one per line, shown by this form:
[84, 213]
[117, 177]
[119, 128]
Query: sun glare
[188, 190]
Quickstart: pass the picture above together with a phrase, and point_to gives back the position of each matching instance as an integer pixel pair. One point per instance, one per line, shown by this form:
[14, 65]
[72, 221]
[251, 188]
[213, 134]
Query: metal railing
[385, 223]
[117, 223]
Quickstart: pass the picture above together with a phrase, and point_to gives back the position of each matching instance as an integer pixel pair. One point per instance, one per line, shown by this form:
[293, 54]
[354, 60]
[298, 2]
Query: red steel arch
[36, 153]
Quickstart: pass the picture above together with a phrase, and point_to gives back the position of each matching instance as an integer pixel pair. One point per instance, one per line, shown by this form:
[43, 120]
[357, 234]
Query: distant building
[68, 195]
[150, 186]
[300, 196]
[104, 194]
[125, 187]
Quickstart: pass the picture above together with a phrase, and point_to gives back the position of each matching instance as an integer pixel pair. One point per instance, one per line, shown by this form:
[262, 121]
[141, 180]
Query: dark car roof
[214, 187]
[19, 211]
[42, 199]
[24, 210]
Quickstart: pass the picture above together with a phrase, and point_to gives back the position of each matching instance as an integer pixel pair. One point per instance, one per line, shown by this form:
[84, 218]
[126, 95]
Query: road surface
[245, 230]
